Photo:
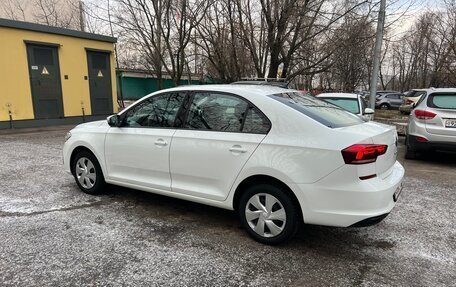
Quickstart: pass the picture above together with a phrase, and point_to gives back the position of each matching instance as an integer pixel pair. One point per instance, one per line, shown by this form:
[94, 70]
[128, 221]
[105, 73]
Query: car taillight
[363, 153]
[424, 115]
[408, 102]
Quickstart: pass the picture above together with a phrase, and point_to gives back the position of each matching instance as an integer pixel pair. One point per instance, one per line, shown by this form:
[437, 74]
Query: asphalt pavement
[51, 234]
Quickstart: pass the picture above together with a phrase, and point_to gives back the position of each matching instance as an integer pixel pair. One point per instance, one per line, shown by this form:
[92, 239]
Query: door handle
[237, 149]
[161, 142]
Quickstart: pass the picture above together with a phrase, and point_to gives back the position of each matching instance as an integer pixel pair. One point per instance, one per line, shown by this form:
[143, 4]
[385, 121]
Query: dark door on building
[100, 83]
[45, 81]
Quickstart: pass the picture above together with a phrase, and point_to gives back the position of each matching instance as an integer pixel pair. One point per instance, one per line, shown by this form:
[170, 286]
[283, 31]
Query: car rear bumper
[370, 221]
[338, 201]
[416, 145]
[405, 108]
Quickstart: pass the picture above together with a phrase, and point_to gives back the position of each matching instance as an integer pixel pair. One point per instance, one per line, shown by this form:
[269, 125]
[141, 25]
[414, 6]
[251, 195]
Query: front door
[138, 151]
[45, 81]
[100, 83]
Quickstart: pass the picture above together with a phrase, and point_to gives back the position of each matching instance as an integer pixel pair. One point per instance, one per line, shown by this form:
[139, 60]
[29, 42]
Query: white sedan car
[276, 156]
[353, 103]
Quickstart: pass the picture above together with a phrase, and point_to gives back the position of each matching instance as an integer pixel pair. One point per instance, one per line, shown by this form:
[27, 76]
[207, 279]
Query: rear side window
[256, 122]
[217, 112]
[442, 101]
[325, 113]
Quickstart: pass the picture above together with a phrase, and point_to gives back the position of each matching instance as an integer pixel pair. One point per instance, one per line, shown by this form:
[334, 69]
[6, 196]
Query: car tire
[384, 107]
[266, 223]
[87, 173]
[410, 153]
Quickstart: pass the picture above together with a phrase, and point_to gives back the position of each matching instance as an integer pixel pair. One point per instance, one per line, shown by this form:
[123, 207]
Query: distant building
[59, 13]
[53, 75]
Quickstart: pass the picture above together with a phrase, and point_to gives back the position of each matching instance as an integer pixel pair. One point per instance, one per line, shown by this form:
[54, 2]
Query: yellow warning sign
[44, 71]
[100, 74]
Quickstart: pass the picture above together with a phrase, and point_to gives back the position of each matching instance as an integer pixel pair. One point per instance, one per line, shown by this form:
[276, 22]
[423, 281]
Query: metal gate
[100, 82]
[45, 81]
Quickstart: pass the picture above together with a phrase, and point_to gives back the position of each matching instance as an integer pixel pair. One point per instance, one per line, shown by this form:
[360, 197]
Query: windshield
[323, 112]
[350, 105]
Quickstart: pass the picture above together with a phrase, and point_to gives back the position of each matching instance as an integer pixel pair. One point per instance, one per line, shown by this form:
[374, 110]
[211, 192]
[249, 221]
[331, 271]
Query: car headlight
[67, 136]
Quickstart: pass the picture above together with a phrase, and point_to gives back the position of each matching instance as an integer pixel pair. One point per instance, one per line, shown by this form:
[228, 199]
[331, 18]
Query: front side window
[216, 112]
[319, 110]
[442, 101]
[156, 112]
[350, 105]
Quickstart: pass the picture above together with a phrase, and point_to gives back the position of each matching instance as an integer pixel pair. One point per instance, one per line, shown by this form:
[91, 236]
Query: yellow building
[51, 75]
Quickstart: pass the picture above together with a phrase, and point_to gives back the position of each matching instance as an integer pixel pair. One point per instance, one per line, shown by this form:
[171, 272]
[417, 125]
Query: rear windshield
[350, 105]
[323, 112]
[442, 101]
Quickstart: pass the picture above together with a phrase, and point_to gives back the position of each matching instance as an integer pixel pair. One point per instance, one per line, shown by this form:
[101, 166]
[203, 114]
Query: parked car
[264, 82]
[410, 99]
[388, 101]
[277, 156]
[353, 103]
[432, 124]
[384, 92]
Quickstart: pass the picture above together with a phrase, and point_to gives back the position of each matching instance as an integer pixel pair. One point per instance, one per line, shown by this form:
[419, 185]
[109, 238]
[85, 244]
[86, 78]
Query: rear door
[444, 106]
[220, 134]
[100, 82]
[138, 151]
[396, 100]
[45, 81]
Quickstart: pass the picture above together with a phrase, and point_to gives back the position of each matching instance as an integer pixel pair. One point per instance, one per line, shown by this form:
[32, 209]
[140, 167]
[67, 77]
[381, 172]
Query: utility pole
[377, 52]
[81, 16]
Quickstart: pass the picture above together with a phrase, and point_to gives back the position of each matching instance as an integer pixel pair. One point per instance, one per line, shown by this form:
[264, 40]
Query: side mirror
[369, 111]
[114, 120]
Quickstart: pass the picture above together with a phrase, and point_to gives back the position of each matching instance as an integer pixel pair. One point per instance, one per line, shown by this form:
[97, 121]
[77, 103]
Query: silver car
[432, 123]
[388, 101]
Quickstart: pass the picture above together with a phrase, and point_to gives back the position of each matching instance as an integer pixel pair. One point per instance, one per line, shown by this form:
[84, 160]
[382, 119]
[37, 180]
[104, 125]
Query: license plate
[450, 123]
[397, 193]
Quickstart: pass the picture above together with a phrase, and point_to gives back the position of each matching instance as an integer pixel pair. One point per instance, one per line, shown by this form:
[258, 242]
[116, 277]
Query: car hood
[92, 124]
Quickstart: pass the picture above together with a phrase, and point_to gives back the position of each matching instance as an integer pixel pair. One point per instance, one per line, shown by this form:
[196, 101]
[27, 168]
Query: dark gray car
[389, 101]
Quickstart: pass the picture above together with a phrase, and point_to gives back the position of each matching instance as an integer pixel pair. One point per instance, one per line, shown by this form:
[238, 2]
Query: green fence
[134, 88]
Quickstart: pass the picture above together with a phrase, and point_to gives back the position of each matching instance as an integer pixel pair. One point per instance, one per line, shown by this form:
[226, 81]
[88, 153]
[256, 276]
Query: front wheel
[87, 173]
[268, 214]
[384, 107]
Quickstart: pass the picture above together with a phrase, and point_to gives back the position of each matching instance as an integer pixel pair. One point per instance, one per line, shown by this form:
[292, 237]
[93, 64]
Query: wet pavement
[53, 234]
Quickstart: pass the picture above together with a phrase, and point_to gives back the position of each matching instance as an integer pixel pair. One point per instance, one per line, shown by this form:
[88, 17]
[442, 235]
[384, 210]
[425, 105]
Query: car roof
[338, 95]
[244, 90]
[441, 90]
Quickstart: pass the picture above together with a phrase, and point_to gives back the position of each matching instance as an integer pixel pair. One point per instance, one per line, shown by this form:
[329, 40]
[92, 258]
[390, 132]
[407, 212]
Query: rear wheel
[268, 214]
[87, 173]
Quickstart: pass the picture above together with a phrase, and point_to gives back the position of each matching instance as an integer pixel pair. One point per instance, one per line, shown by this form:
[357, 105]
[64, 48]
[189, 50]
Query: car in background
[432, 123]
[278, 157]
[389, 101]
[353, 103]
[410, 99]
[384, 92]
[264, 82]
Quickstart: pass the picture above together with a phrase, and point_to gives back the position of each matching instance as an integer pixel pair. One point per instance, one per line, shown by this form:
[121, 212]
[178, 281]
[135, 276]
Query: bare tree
[161, 29]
